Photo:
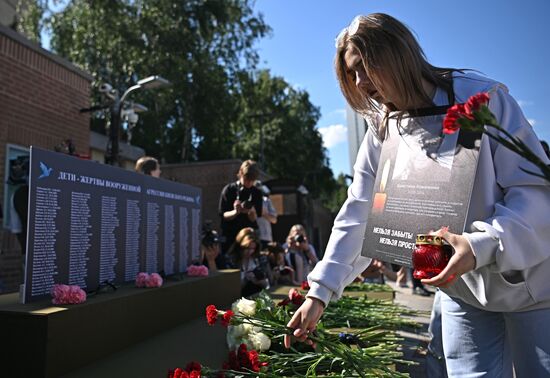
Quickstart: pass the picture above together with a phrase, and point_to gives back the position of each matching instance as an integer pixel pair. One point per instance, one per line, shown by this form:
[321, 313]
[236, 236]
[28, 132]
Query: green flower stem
[368, 287]
[518, 146]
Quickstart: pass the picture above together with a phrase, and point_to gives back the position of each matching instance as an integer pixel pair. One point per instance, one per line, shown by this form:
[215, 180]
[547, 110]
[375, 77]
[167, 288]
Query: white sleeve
[517, 235]
[342, 261]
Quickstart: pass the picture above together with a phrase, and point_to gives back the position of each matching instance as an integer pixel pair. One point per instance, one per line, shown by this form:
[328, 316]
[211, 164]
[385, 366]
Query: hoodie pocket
[495, 293]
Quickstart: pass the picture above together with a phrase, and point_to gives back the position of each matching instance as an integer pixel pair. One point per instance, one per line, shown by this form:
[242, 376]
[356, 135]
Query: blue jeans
[480, 343]
[435, 359]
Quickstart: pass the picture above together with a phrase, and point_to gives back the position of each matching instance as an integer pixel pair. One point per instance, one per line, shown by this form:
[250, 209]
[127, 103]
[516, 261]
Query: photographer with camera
[240, 203]
[282, 273]
[301, 255]
[245, 254]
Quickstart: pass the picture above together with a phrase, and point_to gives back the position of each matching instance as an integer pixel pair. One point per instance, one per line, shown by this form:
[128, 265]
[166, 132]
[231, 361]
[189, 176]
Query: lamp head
[153, 82]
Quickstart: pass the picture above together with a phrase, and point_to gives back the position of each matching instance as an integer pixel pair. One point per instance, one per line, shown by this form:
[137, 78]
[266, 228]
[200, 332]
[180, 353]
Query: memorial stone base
[42, 340]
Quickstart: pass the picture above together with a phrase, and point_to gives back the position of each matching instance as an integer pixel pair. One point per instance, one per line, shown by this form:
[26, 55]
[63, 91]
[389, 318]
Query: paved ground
[415, 341]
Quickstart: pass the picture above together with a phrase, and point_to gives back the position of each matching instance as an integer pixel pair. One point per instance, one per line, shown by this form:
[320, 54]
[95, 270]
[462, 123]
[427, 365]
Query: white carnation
[249, 328]
[238, 331]
[244, 306]
[259, 341]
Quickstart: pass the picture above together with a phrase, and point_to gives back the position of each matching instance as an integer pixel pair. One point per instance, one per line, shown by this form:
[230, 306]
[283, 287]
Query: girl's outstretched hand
[305, 321]
[462, 261]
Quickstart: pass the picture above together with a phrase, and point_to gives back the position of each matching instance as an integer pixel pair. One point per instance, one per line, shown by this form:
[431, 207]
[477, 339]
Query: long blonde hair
[243, 240]
[386, 45]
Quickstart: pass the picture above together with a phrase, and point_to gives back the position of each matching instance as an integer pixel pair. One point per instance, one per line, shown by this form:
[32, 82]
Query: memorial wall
[91, 223]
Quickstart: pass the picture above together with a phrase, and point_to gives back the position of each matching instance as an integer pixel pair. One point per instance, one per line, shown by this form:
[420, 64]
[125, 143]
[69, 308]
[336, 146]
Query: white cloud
[524, 103]
[338, 112]
[532, 121]
[333, 135]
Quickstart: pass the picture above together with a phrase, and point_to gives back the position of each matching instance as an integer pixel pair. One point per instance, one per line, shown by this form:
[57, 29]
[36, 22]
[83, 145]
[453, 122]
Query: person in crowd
[297, 240]
[377, 272]
[149, 166]
[269, 216]
[401, 275]
[300, 254]
[240, 203]
[282, 273]
[210, 249]
[495, 292]
[245, 255]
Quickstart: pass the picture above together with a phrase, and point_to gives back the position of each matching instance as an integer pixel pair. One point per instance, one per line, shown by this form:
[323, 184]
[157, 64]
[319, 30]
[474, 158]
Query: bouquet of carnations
[258, 326]
[67, 294]
[148, 280]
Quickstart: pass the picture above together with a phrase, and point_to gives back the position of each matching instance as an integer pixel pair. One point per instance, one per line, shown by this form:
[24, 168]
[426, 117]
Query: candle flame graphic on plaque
[380, 198]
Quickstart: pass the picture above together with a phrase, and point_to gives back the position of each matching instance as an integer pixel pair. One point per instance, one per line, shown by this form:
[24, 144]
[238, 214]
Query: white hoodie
[508, 222]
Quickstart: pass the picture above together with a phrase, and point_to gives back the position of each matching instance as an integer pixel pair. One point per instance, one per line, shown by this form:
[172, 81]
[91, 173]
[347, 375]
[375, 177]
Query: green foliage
[218, 105]
[30, 18]
[293, 148]
[335, 198]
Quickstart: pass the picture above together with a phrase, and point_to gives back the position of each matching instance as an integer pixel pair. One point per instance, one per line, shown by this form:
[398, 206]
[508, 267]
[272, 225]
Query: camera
[247, 204]
[246, 198]
[210, 236]
[299, 238]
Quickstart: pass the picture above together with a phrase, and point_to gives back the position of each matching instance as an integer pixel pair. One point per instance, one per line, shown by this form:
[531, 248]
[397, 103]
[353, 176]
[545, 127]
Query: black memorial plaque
[91, 223]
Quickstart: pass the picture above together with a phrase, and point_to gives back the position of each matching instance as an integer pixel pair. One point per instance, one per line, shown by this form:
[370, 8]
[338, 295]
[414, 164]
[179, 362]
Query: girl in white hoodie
[496, 287]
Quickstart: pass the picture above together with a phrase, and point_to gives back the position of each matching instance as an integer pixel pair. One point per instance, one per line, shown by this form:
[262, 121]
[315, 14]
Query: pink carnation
[64, 294]
[141, 279]
[155, 280]
[197, 271]
[76, 295]
[60, 293]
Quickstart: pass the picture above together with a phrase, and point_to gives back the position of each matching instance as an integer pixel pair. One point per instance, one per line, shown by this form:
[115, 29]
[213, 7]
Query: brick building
[40, 98]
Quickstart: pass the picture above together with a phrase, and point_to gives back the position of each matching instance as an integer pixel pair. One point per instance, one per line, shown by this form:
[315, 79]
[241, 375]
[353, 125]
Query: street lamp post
[151, 82]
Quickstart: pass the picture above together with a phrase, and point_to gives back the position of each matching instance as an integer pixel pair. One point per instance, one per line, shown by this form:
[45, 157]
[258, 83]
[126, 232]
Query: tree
[293, 148]
[199, 45]
[335, 199]
[218, 100]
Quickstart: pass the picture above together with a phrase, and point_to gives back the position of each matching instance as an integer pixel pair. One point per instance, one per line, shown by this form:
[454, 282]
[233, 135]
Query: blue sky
[505, 40]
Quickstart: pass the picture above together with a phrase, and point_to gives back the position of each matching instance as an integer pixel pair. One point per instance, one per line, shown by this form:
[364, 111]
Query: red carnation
[305, 285]
[295, 296]
[177, 373]
[211, 314]
[284, 302]
[233, 361]
[242, 354]
[195, 374]
[193, 365]
[226, 318]
[254, 361]
[475, 102]
[450, 123]
[174, 373]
